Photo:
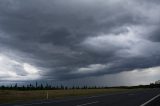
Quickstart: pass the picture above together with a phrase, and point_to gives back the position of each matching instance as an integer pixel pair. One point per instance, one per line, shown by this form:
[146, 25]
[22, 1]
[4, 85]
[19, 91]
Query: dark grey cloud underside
[48, 34]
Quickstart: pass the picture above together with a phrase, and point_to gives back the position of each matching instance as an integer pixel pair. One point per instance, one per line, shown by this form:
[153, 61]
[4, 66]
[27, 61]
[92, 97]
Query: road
[134, 98]
[155, 102]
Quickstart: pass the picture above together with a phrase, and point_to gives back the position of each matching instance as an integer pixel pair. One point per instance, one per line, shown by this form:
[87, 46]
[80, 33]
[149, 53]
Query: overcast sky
[101, 42]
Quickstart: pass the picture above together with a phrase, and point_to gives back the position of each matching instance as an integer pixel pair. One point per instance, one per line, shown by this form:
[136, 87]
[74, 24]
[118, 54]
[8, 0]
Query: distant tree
[66, 87]
[73, 87]
[41, 86]
[77, 87]
[62, 87]
[15, 86]
[11, 87]
[36, 84]
[3, 87]
[23, 87]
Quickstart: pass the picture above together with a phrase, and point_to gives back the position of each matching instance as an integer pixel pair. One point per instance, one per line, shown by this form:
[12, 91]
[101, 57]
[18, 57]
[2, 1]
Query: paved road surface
[155, 102]
[134, 98]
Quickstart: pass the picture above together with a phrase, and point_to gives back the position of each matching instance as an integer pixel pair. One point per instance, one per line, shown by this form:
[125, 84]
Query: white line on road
[88, 103]
[144, 104]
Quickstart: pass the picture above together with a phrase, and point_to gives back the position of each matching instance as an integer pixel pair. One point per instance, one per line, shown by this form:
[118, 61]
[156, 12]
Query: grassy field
[8, 96]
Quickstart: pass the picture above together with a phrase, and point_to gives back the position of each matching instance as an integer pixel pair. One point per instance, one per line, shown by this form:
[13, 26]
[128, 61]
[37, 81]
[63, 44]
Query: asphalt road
[134, 98]
[155, 102]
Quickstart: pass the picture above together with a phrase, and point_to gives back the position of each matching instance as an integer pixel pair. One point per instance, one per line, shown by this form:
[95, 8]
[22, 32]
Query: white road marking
[88, 103]
[144, 104]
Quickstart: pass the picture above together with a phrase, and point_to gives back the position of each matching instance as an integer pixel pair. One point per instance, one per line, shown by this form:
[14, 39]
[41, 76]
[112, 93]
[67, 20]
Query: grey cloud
[54, 35]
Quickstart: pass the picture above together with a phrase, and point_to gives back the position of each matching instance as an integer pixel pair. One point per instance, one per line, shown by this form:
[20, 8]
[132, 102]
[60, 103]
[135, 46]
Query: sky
[80, 42]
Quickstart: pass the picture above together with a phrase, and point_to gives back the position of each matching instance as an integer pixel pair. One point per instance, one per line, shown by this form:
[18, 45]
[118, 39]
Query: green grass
[9, 96]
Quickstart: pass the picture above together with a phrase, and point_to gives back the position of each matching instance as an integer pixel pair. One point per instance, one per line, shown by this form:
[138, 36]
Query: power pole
[47, 95]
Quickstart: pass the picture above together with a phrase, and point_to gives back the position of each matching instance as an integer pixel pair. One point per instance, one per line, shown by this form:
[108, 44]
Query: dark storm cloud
[80, 38]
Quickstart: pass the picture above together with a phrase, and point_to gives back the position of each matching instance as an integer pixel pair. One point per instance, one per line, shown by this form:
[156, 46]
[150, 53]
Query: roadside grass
[10, 96]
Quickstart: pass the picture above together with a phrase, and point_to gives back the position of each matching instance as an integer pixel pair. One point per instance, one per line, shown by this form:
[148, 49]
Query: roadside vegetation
[8, 96]
[30, 92]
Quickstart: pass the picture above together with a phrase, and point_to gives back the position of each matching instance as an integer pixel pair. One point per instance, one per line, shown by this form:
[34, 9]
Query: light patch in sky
[7, 74]
[92, 68]
[112, 42]
[134, 77]
[13, 70]
[126, 78]
[129, 43]
[30, 69]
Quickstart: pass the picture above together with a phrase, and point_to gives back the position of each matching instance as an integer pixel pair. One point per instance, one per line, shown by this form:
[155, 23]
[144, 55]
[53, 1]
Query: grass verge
[10, 96]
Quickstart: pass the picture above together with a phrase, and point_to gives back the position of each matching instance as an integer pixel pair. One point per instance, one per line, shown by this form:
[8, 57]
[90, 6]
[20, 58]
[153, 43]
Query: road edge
[144, 104]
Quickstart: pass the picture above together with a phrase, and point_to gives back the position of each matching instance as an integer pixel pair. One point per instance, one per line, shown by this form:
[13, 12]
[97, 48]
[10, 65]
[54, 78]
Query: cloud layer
[55, 39]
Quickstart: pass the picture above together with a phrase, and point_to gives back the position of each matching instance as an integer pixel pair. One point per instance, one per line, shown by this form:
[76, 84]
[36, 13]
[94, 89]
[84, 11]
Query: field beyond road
[10, 96]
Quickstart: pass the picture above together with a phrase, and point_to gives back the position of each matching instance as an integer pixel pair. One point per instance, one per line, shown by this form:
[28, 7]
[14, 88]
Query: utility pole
[47, 95]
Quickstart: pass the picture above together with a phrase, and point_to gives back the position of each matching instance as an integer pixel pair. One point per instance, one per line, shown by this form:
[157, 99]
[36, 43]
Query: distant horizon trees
[44, 87]
[62, 87]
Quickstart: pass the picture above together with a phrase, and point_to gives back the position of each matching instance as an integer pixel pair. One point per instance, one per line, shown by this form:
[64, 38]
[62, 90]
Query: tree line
[62, 87]
[45, 87]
